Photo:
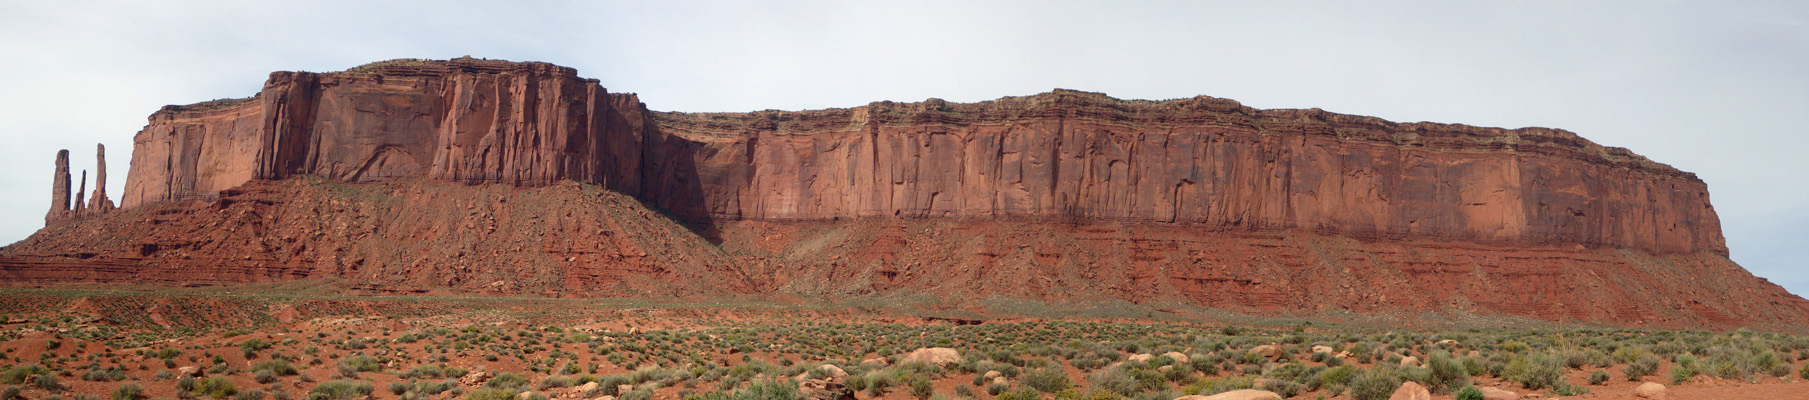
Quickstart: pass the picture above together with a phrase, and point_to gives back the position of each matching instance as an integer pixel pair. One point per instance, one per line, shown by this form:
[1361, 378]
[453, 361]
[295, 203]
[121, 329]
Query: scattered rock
[991, 374]
[190, 371]
[833, 371]
[1267, 351]
[587, 387]
[1489, 393]
[620, 389]
[938, 356]
[1140, 357]
[824, 389]
[1650, 390]
[1322, 349]
[1000, 380]
[524, 395]
[1411, 391]
[1445, 342]
[1410, 361]
[1177, 356]
[876, 362]
[474, 378]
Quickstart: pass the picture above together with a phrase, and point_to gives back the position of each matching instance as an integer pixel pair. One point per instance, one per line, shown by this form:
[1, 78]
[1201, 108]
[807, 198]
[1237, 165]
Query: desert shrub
[47, 382]
[1469, 393]
[361, 364]
[349, 390]
[252, 394]
[1020, 394]
[278, 367]
[1681, 373]
[398, 388]
[18, 375]
[490, 394]
[509, 380]
[1535, 372]
[129, 391]
[1374, 384]
[1446, 374]
[555, 381]
[920, 387]
[1641, 367]
[216, 387]
[104, 375]
[1048, 380]
[264, 376]
[11, 393]
[1282, 387]
[1598, 377]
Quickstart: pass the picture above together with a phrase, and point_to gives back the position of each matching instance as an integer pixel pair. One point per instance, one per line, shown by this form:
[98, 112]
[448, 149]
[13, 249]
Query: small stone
[1411, 391]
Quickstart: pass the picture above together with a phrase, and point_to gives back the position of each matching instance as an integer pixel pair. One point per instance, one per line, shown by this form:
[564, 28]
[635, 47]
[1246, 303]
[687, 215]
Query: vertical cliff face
[1205, 162]
[474, 121]
[1199, 200]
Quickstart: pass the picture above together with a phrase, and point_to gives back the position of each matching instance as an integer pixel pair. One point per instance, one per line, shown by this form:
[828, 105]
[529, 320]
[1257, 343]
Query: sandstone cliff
[1199, 200]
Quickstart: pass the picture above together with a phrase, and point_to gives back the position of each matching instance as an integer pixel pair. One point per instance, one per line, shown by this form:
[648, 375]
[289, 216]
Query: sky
[1714, 88]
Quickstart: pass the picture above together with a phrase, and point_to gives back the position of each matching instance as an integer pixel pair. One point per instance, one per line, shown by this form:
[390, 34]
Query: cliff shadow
[672, 182]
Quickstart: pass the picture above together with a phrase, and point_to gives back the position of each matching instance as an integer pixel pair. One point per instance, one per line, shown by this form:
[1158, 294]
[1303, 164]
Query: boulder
[1411, 391]
[833, 371]
[1445, 342]
[1322, 349]
[474, 378]
[991, 374]
[524, 395]
[190, 371]
[1000, 380]
[938, 356]
[1489, 393]
[1177, 356]
[1268, 351]
[1649, 390]
[1144, 357]
[875, 362]
[587, 387]
[1244, 394]
[1410, 361]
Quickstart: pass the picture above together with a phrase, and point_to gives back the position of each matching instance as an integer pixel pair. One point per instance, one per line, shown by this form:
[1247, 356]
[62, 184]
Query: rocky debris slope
[564, 239]
[466, 174]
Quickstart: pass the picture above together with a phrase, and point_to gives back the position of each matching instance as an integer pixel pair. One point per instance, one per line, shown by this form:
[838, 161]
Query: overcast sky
[1715, 88]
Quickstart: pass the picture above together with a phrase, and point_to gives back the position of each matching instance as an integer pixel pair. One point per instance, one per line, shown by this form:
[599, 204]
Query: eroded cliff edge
[1059, 196]
[1205, 162]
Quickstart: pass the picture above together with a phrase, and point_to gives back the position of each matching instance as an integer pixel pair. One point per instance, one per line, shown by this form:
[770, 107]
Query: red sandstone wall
[1202, 162]
[463, 120]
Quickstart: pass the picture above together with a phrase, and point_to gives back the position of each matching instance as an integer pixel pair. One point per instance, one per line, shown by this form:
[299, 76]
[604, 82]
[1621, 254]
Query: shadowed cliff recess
[1198, 200]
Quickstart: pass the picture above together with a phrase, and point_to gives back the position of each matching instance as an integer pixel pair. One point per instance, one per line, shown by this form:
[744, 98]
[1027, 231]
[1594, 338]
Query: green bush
[1374, 384]
[18, 375]
[1598, 377]
[216, 387]
[1048, 380]
[1641, 367]
[1469, 393]
[490, 394]
[348, 390]
[1446, 374]
[129, 391]
[508, 380]
[278, 366]
[1536, 371]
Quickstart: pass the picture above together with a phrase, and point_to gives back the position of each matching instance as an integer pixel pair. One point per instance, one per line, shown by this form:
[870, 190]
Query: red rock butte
[1199, 200]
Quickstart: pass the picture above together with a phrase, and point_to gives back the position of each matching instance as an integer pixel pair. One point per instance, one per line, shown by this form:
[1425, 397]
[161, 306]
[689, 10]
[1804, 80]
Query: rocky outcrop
[100, 203]
[59, 190]
[1066, 155]
[464, 120]
[1205, 162]
[417, 176]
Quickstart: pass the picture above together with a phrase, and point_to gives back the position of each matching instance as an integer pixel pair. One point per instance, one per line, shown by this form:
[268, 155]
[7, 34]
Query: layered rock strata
[1199, 200]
